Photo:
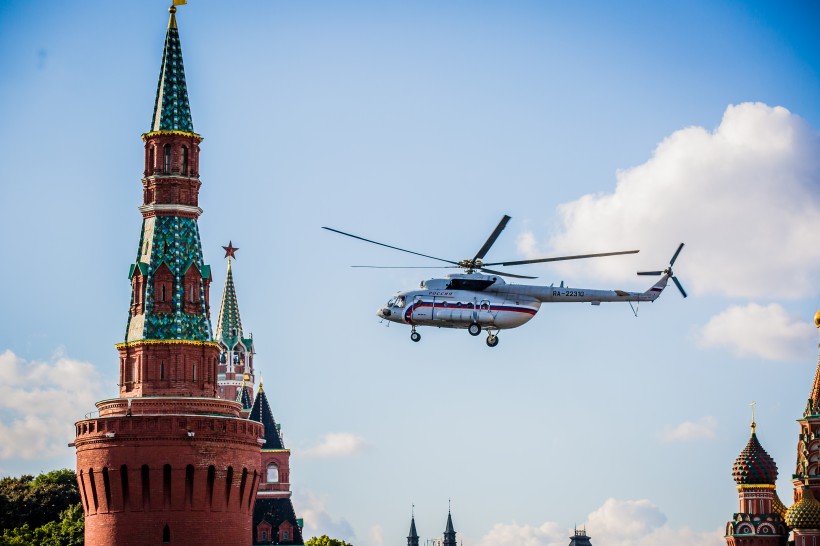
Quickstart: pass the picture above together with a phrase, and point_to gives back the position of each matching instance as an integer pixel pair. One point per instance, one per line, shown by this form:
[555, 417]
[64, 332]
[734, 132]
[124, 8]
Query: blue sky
[596, 126]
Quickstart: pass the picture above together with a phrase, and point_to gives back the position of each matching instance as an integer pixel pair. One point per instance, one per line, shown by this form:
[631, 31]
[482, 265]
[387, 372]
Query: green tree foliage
[69, 530]
[42, 511]
[325, 540]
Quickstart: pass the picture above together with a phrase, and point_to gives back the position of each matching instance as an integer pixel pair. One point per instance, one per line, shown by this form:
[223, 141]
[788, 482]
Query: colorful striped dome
[754, 466]
[804, 514]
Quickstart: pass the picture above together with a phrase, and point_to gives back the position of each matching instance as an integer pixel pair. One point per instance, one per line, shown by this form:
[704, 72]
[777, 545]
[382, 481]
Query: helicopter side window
[400, 302]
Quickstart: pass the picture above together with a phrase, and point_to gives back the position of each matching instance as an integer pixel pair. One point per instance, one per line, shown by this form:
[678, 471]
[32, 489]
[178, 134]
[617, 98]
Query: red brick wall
[168, 369]
[141, 472]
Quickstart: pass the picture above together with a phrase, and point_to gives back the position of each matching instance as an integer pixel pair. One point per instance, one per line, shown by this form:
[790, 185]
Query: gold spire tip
[754, 425]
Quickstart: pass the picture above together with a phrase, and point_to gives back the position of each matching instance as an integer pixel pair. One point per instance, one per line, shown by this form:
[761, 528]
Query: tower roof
[243, 397]
[229, 323]
[449, 528]
[171, 109]
[413, 533]
[262, 413]
[580, 538]
[805, 513]
[754, 466]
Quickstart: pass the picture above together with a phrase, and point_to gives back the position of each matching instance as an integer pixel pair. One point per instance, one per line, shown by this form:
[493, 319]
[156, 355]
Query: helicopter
[480, 299]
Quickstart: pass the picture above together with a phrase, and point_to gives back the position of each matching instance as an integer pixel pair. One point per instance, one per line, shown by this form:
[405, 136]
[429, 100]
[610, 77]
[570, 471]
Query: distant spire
[243, 397]
[171, 109]
[449, 531]
[413, 537]
[229, 323]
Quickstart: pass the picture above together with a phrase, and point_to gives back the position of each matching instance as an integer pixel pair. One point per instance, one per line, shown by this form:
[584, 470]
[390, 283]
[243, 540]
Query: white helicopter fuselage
[462, 300]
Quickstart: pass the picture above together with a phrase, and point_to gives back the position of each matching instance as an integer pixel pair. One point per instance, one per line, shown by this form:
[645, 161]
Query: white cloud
[690, 430]
[39, 402]
[336, 444]
[641, 523]
[745, 198]
[760, 331]
[376, 536]
[615, 523]
[312, 509]
[513, 534]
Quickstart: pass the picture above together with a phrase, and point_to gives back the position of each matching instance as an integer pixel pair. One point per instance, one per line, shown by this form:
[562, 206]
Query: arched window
[273, 473]
[194, 375]
[166, 534]
[185, 160]
[151, 164]
[162, 370]
[166, 167]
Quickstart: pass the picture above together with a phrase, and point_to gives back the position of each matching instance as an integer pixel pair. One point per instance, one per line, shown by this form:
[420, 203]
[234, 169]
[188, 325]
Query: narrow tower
[413, 537]
[759, 519]
[273, 517]
[235, 372]
[167, 462]
[449, 531]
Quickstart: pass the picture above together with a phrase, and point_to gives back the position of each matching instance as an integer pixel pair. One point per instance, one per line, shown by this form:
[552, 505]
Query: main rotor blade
[675, 257]
[408, 266]
[390, 246]
[677, 283]
[650, 273]
[562, 258]
[491, 239]
[491, 272]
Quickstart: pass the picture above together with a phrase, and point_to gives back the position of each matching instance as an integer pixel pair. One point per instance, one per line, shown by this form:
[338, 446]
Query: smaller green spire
[229, 323]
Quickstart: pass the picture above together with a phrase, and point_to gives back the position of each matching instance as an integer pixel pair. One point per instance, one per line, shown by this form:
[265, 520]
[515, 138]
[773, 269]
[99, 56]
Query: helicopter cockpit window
[400, 302]
[391, 302]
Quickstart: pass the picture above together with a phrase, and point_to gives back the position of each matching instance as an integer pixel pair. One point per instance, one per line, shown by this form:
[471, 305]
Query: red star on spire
[230, 250]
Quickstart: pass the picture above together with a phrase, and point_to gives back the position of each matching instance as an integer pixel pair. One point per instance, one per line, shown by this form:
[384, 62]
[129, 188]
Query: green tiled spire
[171, 109]
[229, 324]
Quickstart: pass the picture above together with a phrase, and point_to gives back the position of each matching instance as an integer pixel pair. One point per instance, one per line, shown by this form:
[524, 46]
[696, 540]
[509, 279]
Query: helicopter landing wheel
[415, 336]
[474, 329]
[492, 340]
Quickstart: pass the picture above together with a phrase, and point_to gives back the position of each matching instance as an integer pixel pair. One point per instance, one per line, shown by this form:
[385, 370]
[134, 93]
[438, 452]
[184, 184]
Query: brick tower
[235, 379]
[168, 462]
[759, 519]
[274, 520]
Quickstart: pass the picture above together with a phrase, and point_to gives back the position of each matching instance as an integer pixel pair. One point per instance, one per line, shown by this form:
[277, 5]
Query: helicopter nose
[383, 312]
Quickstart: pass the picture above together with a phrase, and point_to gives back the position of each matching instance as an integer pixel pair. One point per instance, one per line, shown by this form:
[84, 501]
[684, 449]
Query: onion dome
[754, 466]
[805, 513]
[778, 507]
[817, 319]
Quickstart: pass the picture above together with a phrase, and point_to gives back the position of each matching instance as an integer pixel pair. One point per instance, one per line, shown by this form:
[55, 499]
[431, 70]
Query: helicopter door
[422, 310]
[484, 314]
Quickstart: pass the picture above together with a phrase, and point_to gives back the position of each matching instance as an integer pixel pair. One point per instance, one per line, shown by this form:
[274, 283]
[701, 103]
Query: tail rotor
[668, 272]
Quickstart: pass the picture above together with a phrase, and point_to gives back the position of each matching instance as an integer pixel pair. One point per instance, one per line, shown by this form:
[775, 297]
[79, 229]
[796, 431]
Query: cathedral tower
[759, 519]
[167, 461]
[803, 517]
